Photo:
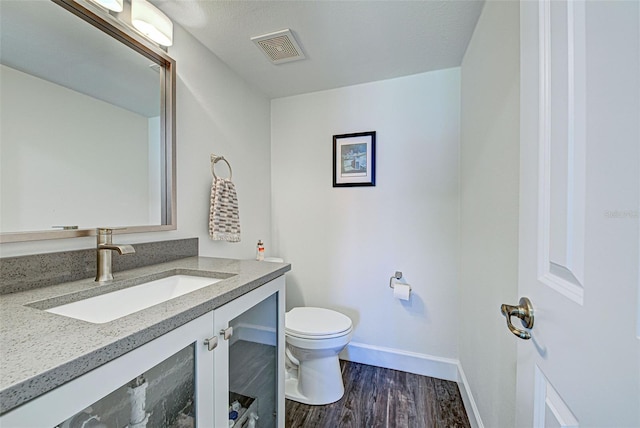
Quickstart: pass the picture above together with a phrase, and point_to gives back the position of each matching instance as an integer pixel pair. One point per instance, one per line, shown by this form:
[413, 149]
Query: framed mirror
[87, 124]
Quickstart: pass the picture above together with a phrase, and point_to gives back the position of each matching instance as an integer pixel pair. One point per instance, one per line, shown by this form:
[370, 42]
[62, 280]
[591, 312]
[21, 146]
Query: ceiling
[345, 42]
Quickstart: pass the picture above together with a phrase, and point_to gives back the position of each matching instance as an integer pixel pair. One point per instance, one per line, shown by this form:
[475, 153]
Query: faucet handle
[104, 234]
[109, 229]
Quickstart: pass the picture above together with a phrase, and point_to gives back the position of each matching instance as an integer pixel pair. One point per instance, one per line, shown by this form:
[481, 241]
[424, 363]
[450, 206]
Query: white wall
[345, 243]
[216, 112]
[489, 159]
[220, 113]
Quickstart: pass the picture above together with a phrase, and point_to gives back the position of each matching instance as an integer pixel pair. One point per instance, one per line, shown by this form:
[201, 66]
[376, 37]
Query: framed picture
[354, 159]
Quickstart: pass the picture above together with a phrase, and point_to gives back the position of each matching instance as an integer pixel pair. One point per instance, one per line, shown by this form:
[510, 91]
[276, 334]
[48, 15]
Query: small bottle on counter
[260, 251]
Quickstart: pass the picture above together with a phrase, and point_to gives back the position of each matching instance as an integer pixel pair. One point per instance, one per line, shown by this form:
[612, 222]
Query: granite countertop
[40, 351]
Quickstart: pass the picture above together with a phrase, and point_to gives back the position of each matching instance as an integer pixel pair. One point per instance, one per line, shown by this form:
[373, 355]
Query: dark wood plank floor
[377, 397]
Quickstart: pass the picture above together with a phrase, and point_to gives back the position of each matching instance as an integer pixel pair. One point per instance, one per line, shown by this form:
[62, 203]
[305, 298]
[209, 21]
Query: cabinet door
[163, 383]
[249, 364]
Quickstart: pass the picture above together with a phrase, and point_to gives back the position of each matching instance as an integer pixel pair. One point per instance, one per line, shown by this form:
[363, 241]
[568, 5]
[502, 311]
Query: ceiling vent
[279, 47]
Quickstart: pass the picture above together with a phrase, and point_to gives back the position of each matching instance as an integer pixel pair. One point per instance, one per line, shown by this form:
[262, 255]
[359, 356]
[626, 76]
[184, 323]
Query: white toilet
[315, 337]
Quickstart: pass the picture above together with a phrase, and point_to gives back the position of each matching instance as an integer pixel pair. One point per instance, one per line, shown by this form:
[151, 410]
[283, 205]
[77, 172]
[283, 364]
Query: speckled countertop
[40, 351]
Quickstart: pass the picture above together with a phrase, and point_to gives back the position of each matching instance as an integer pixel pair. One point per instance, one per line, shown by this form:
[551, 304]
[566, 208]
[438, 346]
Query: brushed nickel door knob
[524, 311]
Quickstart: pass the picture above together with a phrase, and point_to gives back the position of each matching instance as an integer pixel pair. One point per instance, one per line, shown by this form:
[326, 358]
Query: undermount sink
[110, 306]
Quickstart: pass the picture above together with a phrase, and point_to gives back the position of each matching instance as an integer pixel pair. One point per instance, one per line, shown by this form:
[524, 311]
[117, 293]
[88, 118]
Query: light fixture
[151, 22]
[114, 5]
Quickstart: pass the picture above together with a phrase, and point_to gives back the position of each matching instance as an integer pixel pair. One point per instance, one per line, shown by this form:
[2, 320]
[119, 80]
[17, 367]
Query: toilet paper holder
[397, 276]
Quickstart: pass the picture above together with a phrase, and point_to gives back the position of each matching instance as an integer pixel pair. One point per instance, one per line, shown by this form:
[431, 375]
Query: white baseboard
[390, 358]
[467, 398]
[411, 362]
[254, 333]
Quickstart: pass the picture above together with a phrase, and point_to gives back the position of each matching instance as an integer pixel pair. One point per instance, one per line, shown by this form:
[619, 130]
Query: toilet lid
[316, 322]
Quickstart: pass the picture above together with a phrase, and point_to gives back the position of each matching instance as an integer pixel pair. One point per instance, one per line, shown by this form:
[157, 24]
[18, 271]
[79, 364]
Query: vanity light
[151, 22]
[114, 5]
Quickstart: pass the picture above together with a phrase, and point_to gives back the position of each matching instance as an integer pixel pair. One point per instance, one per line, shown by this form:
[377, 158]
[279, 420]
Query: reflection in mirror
[86, 135]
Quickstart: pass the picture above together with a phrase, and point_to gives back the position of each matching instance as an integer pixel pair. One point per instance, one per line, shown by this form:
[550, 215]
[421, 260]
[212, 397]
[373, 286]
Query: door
[249, 363]
[579, 209]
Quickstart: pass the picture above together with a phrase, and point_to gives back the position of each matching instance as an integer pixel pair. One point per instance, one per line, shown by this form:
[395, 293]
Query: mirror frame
[112, 26]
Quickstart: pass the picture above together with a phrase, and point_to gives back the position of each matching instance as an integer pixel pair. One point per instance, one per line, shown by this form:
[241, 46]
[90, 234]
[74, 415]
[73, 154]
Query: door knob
[524, 311]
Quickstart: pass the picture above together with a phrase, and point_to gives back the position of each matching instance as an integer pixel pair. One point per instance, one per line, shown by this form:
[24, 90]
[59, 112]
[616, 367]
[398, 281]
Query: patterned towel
[224, 219]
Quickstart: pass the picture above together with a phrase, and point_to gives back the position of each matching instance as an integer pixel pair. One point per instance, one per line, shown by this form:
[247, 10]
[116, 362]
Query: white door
[579, 209]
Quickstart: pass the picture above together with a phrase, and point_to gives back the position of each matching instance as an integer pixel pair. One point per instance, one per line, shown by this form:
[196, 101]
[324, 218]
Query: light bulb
[151, 22]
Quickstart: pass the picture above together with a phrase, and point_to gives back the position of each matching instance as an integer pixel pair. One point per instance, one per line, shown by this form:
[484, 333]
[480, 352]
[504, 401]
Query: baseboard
[254, 333]
[467, 399]
[411, 362]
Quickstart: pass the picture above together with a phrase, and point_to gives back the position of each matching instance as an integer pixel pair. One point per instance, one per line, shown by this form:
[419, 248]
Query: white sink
[111, 306]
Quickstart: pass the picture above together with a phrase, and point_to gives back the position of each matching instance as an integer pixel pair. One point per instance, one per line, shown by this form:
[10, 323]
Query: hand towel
[224, 218]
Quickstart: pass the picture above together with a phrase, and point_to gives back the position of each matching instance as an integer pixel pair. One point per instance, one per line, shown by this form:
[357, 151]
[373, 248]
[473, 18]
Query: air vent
[279, 47]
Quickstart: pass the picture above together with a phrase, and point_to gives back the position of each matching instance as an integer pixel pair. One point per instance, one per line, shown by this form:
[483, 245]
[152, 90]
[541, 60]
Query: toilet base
[291, 392]
[316, 382]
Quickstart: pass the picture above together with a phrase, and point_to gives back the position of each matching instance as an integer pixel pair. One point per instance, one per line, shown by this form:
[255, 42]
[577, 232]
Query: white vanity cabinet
[183, 378]
[251, 361]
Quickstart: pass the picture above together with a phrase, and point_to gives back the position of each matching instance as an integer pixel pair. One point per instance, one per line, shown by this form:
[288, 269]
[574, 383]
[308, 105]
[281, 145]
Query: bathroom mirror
[87, 135]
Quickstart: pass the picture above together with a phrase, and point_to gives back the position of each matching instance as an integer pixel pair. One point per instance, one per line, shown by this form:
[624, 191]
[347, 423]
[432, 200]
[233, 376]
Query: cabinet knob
[227, 332]
[211, 343]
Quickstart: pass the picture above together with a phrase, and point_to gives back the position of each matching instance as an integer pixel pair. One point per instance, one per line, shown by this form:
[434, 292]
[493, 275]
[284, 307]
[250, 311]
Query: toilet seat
[316, 323]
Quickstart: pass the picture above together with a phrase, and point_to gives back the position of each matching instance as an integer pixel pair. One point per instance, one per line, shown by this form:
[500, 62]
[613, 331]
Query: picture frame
[354, 159]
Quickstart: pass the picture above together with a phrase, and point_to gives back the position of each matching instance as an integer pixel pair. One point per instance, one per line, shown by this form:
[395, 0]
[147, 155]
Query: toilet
[314, 338]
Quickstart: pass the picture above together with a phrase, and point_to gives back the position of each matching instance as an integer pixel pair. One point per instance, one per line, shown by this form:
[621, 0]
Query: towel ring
[214, 160]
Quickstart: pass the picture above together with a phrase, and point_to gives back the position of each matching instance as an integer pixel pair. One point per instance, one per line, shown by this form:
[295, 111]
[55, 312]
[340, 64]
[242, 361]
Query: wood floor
[374, 397]
[377, 397]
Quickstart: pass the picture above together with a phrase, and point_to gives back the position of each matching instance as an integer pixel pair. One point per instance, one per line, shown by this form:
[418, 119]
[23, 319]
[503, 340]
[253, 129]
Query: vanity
[144, 347]
[182, 362]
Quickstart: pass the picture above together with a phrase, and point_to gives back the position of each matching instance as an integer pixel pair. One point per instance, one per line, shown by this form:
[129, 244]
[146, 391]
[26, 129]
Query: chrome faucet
[105, 247]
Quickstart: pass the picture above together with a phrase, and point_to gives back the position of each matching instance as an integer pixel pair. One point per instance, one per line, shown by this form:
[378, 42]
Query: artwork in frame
[354, 159]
